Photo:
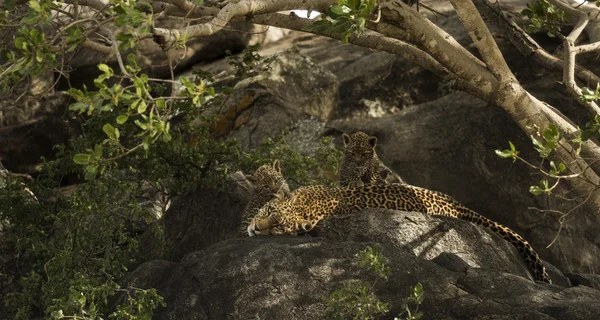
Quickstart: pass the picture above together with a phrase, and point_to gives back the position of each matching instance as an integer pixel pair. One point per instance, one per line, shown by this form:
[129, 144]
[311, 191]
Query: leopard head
[277, 218]
[270, 219]
[268, 180]
[359, 147]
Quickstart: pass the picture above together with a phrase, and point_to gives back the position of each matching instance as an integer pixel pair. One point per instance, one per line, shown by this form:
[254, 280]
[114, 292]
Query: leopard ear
[372, 141]
[346, 138]
[277, 166]
[280, 195]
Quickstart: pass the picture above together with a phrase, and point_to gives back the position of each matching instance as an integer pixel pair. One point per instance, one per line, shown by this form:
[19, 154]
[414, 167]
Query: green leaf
[35, 5]
[90, 172]
[551, 133]
[98, 150]
[360, 23]
[78, 106]
[339, 11]
[57, 314]
[535, 190]
[146, 142]
[504, 153]
[160, 104]
[82, 158]
[353, 4]
[318, 26]
[341, 25]
[562, 167]
[142, 126]
[122, 119]
[21, 43]
[371, 5]
[142, 106]
[187, 84]
[106, 69]
[109, 130]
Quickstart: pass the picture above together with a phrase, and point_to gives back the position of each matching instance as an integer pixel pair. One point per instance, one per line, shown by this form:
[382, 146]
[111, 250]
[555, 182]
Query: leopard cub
[360, 164]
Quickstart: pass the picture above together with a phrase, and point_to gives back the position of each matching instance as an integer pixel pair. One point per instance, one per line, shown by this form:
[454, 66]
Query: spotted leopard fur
[360, 164]
[266, 181]
[309, 205]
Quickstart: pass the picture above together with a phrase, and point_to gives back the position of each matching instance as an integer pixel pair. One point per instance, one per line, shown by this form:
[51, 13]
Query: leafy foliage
[347, 17]
[543, 16]
[416, 298]
[508, 153]
[357, 300]
[299, 170]
[74, 249]
[545, 143]
[249, 62]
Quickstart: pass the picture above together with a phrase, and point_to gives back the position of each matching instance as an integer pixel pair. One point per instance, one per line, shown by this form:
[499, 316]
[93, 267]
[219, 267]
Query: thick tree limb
[167, 37]
[395, 32]
[480, 80]
[570, 53]
[527, 46]
[483, 40]
[369, 40]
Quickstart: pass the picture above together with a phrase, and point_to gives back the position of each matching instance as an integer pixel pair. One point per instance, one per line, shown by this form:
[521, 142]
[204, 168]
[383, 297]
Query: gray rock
[285, 277]
[31, 130]
[200, 218]
[590, 280]
[295, 88]
[448, 145]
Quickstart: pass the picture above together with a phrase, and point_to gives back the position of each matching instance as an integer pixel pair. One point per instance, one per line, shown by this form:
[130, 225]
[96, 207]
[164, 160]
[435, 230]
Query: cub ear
[346, 138]
[372, 141]
[277, 166]
[280, 195]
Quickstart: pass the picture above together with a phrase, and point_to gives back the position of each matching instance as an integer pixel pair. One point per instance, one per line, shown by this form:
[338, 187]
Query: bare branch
[483, 40]
[393, 31]
[370, 40]
[529, 47]
[587, 47]
[97, 5]
[427, 38]
[570, 53]
[89, 44]
[167, 38]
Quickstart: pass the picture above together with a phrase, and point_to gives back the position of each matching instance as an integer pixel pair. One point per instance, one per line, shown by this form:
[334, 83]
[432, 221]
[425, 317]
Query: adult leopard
[306, 206]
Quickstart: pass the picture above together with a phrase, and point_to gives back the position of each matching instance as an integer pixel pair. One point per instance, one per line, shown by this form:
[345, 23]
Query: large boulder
[465, 272]
[448, 145]
[202, 217]
[291, 89]
[31, 130]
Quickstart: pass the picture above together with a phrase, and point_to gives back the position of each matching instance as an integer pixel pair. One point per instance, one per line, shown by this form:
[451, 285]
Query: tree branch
[393, 31]
[167, 38]
[370, 40]
[483, 40]
[570, 53]
[426, 37]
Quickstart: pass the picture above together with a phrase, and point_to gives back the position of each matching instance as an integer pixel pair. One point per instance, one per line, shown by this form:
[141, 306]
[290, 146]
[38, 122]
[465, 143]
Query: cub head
[359, 146]
[268, 180]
